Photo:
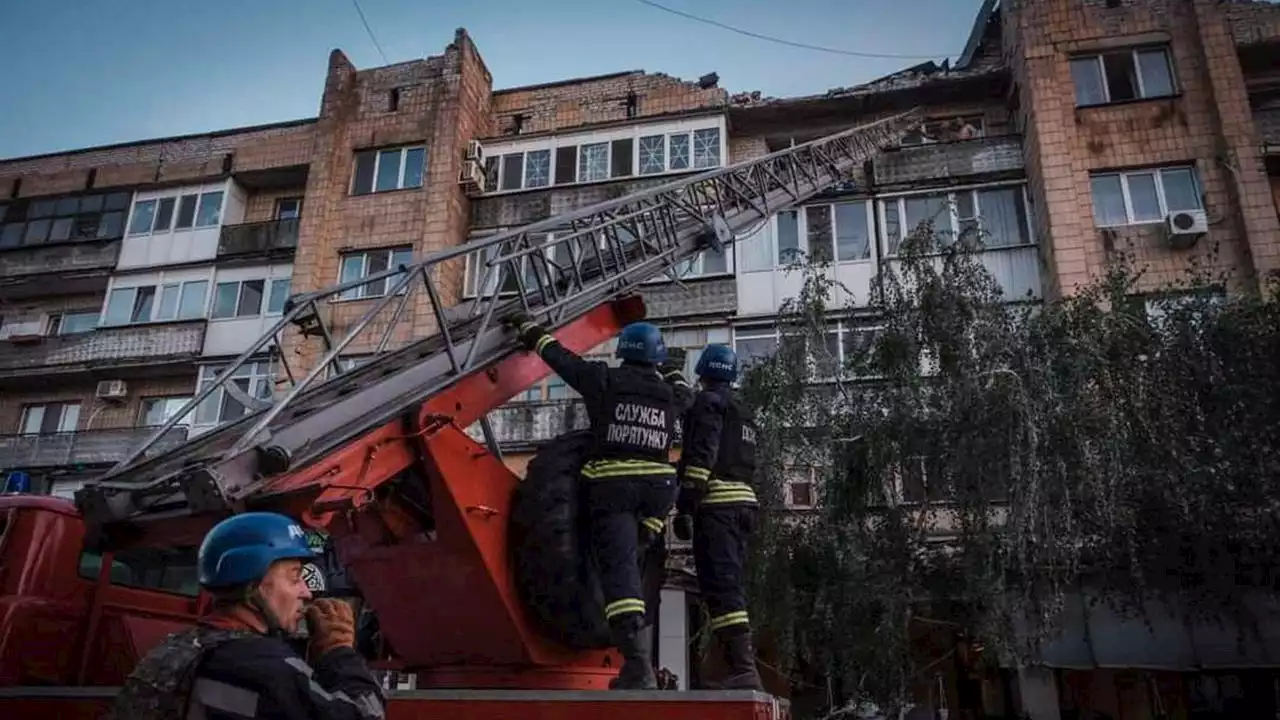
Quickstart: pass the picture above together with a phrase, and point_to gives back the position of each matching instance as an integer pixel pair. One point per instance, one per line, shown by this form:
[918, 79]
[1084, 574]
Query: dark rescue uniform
[717, 467]
[628, 479]
[226, 671]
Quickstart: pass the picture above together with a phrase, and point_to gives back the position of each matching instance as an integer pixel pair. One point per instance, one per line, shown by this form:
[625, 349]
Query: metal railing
[259, 237]
[87, 447]
[594, 254]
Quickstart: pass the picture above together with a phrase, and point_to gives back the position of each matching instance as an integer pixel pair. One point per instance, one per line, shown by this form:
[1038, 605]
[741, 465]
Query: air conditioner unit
[475, 151]
[112, 390]
[1184, 227]
[472, 176]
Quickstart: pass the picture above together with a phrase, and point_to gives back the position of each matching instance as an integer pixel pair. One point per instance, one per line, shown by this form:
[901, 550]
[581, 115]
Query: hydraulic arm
[377, 455]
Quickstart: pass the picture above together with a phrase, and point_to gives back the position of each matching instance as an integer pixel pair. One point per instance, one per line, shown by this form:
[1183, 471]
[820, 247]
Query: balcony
[63, 269]
[1267, 120]
[90, 447]
[524, 426]
[989, 156]
[31, 358]
[272, 237]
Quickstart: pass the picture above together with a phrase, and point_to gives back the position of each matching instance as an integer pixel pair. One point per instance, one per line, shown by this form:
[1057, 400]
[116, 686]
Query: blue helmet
[239, 550]
[641, 342]
[718, 362]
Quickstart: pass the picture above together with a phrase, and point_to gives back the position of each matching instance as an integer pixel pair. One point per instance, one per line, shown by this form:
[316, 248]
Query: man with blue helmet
[237, 662]
[629, 484]
[718, 507]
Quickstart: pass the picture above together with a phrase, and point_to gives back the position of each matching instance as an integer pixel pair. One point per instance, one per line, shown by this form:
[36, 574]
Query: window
[995, 216]
[166, 569]
[288, 208]
[249, 298]
[1136, 197]
[363, 264]
[551, 389]
[839, 231]
[176, 301]
[642, 152]
[802, 486]
[389, 169]
[50, 418]
[845, 344]
[156, 411]
[169, 214]
[72, 323]
[67, 219]
[252, 381]
[1120, 75]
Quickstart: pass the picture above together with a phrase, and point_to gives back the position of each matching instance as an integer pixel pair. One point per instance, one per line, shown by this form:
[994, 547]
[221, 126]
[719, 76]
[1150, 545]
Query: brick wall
[588, 101]
[175, 160]
[444, 103]
[261, 205]
[102, 414]
[1062, 144]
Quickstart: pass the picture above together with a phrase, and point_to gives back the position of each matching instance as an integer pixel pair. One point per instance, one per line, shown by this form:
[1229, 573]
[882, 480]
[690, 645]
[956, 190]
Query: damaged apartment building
[131, 274]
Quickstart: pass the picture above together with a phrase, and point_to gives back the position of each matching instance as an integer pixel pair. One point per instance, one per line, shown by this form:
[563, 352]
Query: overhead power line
[369, 30]
[781, 41]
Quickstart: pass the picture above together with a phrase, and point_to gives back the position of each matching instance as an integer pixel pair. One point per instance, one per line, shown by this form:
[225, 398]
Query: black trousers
[720, 536]
[615, 507]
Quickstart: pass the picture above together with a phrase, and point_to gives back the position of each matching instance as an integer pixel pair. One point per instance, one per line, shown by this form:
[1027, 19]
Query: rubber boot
[741, 658]
[635, 643]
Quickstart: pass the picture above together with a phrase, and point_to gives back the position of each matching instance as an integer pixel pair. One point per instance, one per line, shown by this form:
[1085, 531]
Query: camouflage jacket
[160, 686]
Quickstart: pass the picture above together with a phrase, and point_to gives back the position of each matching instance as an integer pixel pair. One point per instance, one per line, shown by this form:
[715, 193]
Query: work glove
[529, 331]
[674, 362]
[682, 526]
[332, 624]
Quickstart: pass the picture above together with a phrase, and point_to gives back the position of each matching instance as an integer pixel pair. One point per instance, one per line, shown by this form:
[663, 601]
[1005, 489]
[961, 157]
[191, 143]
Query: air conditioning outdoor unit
[472, 176]
[112, 390]
[475, 151]
[1184, 227]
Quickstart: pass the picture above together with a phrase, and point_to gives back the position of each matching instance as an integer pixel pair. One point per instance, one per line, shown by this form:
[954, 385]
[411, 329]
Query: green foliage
[1110, 439]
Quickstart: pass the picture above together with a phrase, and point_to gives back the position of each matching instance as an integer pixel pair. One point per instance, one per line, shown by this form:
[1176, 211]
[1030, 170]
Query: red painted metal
[76, 704]
[448, 604]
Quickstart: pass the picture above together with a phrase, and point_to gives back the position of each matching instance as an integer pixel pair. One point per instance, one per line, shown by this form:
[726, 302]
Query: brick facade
[1208, 121]
[563, 106]
[443, 102]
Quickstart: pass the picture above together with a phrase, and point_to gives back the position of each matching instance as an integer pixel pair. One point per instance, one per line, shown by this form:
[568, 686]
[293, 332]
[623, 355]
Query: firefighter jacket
[718, 457]
[237, 673]
[633, 410]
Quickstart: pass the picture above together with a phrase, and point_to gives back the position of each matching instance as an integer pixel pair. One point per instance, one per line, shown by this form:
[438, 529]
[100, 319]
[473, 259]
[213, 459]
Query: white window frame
[1098, 59]
[264, 307]
[68, 416]
[261, 373]
[899, 199]
[838, 327]
[1158, 172]
[159, 286]
[173, 403]
[57, 322]
[177, 195]
[364, 292]
[498, 151]
[377, 162]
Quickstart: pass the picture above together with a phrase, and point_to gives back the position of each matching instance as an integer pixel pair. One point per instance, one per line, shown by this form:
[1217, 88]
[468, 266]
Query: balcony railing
[134, 344]
[523, 426]
[259, 237]
[935, 161]
[80, 448]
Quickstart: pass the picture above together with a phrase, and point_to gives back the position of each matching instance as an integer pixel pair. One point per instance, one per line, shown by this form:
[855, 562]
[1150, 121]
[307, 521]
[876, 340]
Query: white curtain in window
[755, 251]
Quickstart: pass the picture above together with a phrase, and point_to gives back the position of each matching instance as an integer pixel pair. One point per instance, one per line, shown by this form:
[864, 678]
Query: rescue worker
[628, 482]
[237, 662]
[718, 506]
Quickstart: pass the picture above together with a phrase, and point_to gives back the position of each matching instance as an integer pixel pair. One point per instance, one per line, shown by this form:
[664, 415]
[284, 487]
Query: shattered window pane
[679, 152]
[593, 162]
[653, 154]
[706, 148]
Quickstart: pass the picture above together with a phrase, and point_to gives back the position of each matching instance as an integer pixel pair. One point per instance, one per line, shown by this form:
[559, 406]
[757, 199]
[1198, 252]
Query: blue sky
[109, 71]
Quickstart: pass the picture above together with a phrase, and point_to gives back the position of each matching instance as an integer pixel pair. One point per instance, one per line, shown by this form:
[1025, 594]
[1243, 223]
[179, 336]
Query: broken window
[1121, 75]
[996, 216]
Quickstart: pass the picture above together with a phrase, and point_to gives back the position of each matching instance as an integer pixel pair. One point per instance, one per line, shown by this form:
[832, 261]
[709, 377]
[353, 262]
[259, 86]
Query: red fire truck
[474, 577]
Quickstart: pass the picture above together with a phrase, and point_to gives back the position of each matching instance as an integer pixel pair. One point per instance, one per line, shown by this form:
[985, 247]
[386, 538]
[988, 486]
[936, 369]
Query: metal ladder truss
[556, 270]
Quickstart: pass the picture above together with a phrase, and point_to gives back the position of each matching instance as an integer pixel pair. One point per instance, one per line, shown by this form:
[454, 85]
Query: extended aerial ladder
[377, 455]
